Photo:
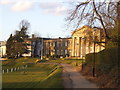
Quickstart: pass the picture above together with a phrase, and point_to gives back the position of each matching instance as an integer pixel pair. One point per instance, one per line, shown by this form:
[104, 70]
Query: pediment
[82, 30]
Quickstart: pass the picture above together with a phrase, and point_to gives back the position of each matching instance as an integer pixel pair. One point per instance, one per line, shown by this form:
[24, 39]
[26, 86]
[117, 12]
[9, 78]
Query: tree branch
[101, 21]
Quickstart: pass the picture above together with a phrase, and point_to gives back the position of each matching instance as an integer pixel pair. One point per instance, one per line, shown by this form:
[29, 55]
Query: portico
[83, 41]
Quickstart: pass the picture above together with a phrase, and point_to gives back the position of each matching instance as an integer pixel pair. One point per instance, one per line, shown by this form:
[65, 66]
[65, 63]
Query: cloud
[21, 6]
[54, 8]
[47, 5]
[6, 2]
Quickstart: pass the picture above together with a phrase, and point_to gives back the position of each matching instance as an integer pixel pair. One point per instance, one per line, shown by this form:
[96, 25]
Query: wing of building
[83, 40]
[2, 48]
[57, 47]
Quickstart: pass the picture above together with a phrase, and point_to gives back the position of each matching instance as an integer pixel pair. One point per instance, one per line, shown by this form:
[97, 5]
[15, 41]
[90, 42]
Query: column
[73, 46]
[79, 46]
[84, 46]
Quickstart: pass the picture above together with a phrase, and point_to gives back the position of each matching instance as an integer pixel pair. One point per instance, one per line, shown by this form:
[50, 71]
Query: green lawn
[34, 77]
[72, 62]
[38, 75]
[11, 63]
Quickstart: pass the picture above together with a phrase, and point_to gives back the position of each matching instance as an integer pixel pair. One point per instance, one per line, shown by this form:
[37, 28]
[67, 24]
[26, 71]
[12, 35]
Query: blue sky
[47, 17]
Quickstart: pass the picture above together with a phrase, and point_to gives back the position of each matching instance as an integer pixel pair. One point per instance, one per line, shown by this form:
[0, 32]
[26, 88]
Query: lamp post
[94, 56]
[41, 48]
[94, 61]
[82, 61]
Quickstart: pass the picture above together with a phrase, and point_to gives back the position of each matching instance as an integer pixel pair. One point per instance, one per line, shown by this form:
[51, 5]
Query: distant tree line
[16, 46]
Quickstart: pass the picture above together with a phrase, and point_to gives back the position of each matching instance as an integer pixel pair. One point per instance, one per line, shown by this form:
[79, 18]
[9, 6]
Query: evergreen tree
[16, 46]
[9, 47]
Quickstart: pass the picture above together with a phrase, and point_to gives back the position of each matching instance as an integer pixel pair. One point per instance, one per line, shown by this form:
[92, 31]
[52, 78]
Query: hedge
[107, 56]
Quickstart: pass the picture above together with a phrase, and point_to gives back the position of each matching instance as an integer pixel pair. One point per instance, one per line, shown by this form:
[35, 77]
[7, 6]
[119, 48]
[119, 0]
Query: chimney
[59, 37]
[33, 36]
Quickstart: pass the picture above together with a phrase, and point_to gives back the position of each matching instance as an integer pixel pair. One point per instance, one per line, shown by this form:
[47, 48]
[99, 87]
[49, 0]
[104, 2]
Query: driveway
[73, 79]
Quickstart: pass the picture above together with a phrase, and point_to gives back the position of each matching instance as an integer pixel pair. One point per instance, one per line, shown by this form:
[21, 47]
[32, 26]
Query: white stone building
[2, 48]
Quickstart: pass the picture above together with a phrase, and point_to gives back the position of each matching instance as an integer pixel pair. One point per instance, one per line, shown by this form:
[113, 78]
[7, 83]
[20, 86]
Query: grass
[11, 63]
[53, 80]
[72, 62]
[34, 77]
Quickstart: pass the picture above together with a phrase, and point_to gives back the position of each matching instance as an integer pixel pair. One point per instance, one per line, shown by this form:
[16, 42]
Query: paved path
[73, 79]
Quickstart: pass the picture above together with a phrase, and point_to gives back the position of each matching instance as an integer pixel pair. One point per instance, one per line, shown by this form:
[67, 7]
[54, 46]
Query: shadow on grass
[50, 82]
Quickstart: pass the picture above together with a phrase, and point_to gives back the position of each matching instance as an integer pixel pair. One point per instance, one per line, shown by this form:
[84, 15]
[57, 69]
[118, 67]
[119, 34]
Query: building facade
[37, 47]
[59, 47]
[34, 46]
[2, 48]
[82, 42]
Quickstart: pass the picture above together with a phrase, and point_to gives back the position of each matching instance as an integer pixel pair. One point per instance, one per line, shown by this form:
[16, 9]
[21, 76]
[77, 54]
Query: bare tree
[24, 26]
[102, 14]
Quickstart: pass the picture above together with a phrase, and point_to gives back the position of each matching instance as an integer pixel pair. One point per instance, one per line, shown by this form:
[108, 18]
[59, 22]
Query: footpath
[73, 79]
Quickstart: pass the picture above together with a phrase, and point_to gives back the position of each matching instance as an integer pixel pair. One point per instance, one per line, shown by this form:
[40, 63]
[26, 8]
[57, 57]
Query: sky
[46, 17]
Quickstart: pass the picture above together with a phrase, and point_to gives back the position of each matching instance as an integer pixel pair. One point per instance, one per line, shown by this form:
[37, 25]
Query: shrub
[108, 56]
[89, 58]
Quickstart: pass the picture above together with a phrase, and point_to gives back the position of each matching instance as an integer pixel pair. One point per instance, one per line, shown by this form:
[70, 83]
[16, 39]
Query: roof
[86, 26]
[32, 39]
[55, 38]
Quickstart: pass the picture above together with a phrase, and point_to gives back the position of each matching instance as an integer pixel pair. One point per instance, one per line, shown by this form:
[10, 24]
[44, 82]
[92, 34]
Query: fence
[14, 69]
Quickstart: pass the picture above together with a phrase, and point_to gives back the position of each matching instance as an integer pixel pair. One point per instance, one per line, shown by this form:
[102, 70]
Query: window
[33, 43]
[46, 51]
[61, 52]
[66, 43]
[66, 51]
[50, 43]
[57, 52]
[53, 51]
[69, 42]
[54, 44]
[57, 44]
[91, 49]
[61, 44]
